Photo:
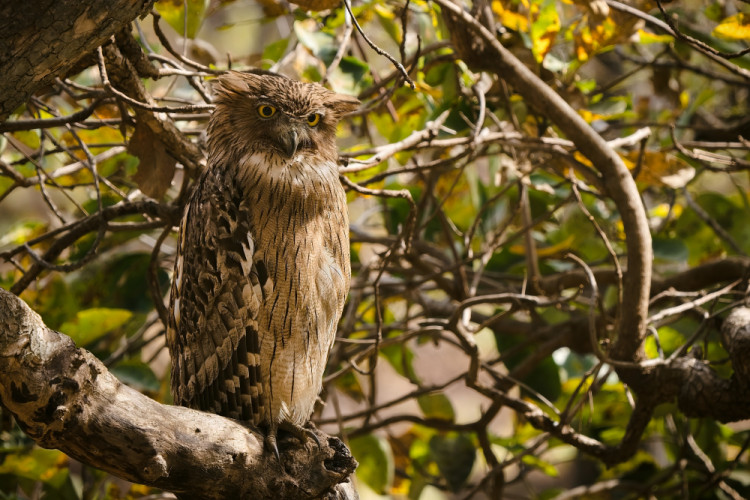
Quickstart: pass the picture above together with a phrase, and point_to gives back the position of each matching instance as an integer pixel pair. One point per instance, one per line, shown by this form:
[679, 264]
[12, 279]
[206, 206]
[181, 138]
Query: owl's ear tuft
[342, 104]
[233, 83]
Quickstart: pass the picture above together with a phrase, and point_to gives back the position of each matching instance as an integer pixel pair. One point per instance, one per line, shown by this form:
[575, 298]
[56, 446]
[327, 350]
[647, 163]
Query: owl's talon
[270, 444]
[301, 433]
[312, 434]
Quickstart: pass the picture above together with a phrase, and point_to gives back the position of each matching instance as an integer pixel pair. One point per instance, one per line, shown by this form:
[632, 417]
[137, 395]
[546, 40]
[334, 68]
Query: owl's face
[273, 114]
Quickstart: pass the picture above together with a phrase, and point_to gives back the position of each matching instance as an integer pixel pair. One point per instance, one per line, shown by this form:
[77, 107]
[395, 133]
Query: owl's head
[271, 113]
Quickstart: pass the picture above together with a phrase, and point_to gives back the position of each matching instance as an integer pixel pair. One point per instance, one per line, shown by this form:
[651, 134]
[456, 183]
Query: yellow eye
[313, 119]
[266, 111]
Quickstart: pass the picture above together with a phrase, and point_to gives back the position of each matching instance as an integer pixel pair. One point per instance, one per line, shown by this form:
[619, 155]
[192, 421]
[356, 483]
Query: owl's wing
[216, 294]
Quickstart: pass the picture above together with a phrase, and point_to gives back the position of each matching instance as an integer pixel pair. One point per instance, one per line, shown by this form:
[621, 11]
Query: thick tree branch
[40, 41]
[64, 398]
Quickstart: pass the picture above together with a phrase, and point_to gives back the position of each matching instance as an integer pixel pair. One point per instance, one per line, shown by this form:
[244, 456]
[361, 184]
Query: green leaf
[136, 374]
[22, 231]
[544, 378]
[349, 384]
[173, 11]
[670, 249]
[92, 324]
[375, 457]
[388, 22]
[47, 466]
[321, 44]
[543, 465]
[275, 50]
[454, 455]
[544, 28]
[436, 406]
[401, 358]
[121, 281]
[350, 77]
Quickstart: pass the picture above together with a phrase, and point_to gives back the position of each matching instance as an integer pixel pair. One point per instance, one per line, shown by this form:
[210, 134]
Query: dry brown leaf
[156, 167]
[316, 4]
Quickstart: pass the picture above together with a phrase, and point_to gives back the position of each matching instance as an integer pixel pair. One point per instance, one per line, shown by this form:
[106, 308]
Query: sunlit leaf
[669, 340]
[274, 50]
[662, 169]
[350, 77]
[28, 138]
[541, 464]
[388, 21]
[646, 37]
[544, 27]
[736, 27]
[509, 18]
[91, 324]
[320, 43]
[48, 466]
[173, 11]
[22, 231]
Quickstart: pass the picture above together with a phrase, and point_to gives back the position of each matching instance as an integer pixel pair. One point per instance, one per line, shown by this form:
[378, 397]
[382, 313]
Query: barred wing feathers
[214, 307]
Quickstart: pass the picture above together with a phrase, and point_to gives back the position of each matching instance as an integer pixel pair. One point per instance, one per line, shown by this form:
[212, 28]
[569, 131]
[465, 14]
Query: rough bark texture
[42, 40]
[65, 398]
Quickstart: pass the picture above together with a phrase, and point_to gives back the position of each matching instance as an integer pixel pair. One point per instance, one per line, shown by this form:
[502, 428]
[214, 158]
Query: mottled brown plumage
[262, 268]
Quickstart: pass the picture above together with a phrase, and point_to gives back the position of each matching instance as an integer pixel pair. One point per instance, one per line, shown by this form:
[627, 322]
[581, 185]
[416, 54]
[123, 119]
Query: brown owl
[262, 268]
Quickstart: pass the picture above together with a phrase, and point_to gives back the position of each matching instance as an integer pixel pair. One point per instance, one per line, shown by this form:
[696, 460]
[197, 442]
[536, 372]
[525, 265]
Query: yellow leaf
[510, 19]
[646, 37]
[663, 209]
[736, 27]
[545, 26]
[684, 99]
[590, 116]
[662, 169]
[555, 249]
[578, 156]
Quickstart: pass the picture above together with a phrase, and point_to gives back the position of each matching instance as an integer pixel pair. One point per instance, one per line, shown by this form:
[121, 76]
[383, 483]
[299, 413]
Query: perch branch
[65, 398]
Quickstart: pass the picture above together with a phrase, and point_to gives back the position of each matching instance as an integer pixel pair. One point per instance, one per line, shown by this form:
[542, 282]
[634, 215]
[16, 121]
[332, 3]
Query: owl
[262, 268]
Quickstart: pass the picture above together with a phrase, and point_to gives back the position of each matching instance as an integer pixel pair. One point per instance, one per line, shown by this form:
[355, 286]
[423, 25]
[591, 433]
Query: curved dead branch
[618, 182]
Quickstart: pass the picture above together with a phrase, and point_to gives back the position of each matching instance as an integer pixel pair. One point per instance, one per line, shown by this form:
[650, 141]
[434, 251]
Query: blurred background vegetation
[465, 205]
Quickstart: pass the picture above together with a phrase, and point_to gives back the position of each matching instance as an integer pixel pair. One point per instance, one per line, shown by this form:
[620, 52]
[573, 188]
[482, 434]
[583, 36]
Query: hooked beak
[289, 142]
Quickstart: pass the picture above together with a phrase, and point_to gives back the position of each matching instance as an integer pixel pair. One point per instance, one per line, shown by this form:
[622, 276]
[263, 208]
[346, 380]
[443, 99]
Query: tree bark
[65, 398]
[42, 40]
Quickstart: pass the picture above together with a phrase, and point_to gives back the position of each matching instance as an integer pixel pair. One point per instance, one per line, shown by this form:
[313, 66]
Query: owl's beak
[289, 142]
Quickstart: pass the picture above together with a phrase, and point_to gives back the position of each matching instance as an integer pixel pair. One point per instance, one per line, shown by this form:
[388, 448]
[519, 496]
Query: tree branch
[617, 180]
[40, 41]
[65, 398]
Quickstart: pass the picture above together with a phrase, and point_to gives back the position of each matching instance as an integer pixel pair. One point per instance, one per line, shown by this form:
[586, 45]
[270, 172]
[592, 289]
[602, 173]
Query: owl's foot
[270, 443]
[298, 431]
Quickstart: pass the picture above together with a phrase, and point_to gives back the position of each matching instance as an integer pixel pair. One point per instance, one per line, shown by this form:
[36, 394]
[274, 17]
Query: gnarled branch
[65, 398]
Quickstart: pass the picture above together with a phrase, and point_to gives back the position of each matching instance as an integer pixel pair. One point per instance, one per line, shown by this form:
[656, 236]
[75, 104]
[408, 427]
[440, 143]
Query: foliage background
[466, 204]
